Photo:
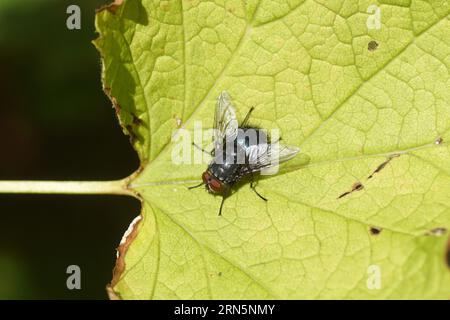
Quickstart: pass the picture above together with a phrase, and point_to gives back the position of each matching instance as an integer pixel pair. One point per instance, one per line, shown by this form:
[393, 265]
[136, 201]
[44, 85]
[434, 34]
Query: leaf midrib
[408, 151]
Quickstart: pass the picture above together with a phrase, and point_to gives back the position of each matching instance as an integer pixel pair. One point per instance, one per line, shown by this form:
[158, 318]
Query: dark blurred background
[57, 124]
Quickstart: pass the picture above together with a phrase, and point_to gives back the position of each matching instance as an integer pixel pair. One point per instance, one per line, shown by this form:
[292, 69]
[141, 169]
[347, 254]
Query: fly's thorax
[227, 172]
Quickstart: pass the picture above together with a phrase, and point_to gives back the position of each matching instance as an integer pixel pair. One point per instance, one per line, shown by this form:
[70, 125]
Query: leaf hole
[178, 121]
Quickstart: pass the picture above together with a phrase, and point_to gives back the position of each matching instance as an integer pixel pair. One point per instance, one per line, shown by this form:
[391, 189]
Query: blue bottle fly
[239, 151]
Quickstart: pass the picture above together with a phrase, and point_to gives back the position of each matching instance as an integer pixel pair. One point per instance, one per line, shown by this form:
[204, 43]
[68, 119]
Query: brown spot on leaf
[436, 232]
[112, 7]
[116, 105]
[344, 194]
[375, 231]
[130, 128]
[357, 186]
[164, 5]
[136, 120]
[214, 274]
[439, 141]
[130, 132]
[383, 165]
[372, 46]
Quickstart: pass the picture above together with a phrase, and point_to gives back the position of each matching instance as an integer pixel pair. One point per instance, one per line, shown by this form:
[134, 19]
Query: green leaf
[372, 121]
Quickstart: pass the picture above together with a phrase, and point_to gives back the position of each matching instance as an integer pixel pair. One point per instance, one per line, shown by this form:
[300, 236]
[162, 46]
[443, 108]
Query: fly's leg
[221, 206]
[278, 140]
[211, 153]
[253, 187]
[247, 117]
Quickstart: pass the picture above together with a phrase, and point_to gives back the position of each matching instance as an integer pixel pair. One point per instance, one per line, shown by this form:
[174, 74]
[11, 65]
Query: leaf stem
[117, 187]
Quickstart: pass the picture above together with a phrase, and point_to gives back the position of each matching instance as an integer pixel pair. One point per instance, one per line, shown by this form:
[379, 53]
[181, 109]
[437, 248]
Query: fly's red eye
[215, 185]
[212, 182]
[206, 177]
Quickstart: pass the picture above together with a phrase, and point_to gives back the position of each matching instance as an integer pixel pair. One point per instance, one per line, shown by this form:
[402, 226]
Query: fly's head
[213, 184]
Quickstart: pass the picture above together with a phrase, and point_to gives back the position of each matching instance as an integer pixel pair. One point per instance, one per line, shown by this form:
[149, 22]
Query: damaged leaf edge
[133, 229]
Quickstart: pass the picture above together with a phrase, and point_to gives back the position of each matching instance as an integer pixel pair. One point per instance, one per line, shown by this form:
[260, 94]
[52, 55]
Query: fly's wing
[225, 122]
[266, 156]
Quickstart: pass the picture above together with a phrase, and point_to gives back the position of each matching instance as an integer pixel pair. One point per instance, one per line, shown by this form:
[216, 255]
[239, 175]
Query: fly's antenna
[221, 205]
[196, 186]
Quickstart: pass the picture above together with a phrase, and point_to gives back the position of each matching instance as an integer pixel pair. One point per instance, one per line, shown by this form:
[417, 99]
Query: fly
[239, 151]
